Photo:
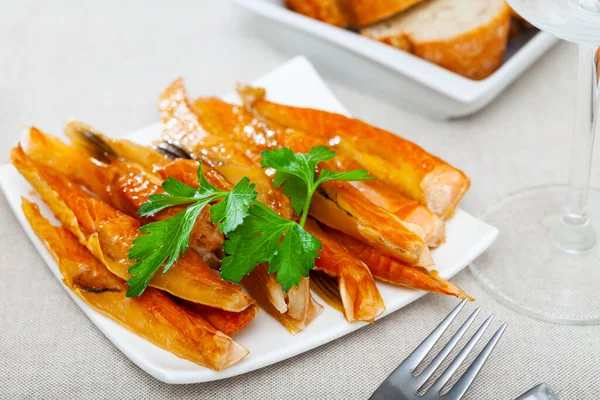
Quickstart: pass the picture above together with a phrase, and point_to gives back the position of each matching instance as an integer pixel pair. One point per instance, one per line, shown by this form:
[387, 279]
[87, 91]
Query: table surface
[105, 62]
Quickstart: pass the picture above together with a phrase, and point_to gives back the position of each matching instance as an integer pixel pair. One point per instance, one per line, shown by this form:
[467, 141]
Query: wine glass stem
[574, 233]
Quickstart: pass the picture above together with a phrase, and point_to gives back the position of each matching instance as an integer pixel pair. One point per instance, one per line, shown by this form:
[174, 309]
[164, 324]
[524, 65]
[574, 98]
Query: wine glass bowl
[546, 262]
[573, 20]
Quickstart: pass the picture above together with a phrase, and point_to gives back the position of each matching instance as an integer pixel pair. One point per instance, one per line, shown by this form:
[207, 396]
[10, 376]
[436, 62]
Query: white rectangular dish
[388, 73]
[295, 83]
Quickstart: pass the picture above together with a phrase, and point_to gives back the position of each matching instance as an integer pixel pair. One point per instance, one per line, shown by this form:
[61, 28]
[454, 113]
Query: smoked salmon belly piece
[398, 162]
[153, 316]
[108, 234]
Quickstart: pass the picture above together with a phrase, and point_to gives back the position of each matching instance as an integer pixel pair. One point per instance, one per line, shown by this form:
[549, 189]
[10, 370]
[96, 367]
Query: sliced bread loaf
[468, 37]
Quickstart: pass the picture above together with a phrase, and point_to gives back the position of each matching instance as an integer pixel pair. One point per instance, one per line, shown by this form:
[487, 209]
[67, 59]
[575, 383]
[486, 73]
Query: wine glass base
[527, 272]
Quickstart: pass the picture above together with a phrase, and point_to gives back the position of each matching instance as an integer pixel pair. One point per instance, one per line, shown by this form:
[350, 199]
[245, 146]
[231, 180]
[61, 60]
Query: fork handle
[389, 389]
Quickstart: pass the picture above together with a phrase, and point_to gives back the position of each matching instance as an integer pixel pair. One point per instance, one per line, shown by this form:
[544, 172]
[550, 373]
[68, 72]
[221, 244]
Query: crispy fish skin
[389, 270]
[184, 170]
[182, 126]
[396, 161]
[153, 316]
[125, 186]
[337, 204]
[335, 201]
[361, 300]
[227, 322]
[295, 309]
[293, 322]
[406, 209]
[360, 297]
[108, 234]
[260, 133]
[106, 149]
[152, 160]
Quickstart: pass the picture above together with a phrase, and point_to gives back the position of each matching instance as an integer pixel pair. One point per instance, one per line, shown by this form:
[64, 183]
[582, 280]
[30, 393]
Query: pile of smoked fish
[381, 229]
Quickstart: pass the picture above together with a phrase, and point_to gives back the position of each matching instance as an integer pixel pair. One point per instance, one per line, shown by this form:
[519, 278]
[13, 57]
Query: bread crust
[344, 13]
[365, 12]
[329, 11]
[475, 54]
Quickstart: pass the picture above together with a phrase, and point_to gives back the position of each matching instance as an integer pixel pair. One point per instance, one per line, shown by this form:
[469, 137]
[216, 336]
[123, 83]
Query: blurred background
[106, 62]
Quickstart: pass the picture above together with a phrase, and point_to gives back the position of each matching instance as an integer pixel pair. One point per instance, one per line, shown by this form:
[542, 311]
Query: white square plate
[295, 83]
[387, 72]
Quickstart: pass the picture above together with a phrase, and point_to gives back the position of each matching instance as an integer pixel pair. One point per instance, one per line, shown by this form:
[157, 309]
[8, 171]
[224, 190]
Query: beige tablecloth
[106, 61]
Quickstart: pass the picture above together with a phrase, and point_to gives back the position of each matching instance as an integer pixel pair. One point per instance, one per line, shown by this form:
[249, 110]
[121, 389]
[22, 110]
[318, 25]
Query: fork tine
[437, 386]
[425, 347]
[465, 381]
[441, 356]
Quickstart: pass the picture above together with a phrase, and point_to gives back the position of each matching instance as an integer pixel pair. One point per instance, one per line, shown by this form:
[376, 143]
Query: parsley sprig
[165, 241]
[256, 234]
[267, 237]
[297, 174]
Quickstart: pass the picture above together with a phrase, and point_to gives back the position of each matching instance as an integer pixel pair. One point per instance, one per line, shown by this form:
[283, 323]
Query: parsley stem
[306, 207]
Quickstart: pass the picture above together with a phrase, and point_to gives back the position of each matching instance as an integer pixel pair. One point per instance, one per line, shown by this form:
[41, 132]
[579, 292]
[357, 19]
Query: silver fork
[402, 385]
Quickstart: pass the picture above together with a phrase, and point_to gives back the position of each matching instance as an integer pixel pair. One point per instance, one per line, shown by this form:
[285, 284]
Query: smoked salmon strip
[396, 161]
[126, 187]
[337, 204]
[108, 233]
[359, 294]
[294, 314]
[153, 316]
[182, 126]
[389, 270]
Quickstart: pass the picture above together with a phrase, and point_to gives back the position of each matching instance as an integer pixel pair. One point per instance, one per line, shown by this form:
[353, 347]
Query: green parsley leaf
[165, 241]
[357, 175]
[230, 212]
[296, 172]
[203, 185]
[266, 237]
[295, 256]
[300, 165]
[176, 188]
[294, 188]
[176, 193]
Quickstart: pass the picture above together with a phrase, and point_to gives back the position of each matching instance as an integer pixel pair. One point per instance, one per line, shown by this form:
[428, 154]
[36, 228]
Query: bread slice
[329, 11]
[366, 12]
[468, 37]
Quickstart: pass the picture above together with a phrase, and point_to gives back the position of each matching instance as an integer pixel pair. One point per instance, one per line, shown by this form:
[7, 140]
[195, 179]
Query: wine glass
[546, 262]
